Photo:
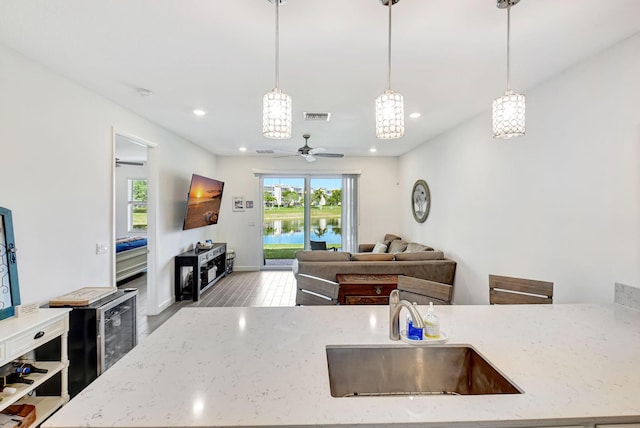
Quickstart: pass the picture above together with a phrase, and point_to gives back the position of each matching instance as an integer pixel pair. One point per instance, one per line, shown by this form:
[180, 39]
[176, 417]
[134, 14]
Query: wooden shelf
[45, 406]
[38, 378]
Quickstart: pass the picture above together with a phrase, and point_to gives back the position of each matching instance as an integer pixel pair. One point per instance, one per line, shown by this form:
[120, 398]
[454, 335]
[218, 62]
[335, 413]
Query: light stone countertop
[577, 364]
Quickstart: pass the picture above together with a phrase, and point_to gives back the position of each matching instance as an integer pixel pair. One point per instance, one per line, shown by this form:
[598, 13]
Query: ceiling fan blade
[284, 156]
[330, 155]
[119, 162]
[317, 150]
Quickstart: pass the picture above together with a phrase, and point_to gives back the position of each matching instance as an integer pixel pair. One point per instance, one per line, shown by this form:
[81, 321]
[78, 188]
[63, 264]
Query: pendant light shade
[509, 109]
[390, 104]
[276, 105]
[389, 115]
[276, 115]
[508, 115]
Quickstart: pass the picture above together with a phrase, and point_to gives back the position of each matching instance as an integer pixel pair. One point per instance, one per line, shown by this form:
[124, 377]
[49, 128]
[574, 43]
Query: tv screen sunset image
[203, 207]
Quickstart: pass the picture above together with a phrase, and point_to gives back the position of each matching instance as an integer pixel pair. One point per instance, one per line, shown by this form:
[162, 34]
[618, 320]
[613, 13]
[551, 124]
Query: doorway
[134, 219]
[297, 211]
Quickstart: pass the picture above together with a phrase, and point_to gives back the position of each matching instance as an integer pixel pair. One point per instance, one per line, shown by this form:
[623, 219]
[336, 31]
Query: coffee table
[365, 289]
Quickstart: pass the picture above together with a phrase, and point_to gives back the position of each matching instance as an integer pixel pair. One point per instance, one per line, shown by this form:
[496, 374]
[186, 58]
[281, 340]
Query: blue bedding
[124, 244]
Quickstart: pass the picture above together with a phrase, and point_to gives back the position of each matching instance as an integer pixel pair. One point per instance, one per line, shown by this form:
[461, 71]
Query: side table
[368, 289]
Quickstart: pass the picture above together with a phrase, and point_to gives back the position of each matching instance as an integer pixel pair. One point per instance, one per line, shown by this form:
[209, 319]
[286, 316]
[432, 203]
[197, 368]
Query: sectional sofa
[398, 258]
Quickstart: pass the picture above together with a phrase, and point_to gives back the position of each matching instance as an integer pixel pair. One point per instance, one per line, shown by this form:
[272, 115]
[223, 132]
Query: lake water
[292, 231]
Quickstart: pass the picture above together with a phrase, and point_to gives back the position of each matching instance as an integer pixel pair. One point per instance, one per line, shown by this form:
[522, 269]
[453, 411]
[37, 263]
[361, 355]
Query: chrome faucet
[395, 305]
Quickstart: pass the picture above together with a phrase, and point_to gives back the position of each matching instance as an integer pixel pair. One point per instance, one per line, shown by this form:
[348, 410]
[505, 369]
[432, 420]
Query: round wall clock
[420, 201]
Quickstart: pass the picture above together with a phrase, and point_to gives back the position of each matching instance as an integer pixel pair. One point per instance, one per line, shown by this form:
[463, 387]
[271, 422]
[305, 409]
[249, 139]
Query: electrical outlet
[102, 248]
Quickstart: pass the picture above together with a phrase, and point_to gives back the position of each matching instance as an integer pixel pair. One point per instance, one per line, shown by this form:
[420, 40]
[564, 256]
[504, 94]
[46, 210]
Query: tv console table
[207, 267]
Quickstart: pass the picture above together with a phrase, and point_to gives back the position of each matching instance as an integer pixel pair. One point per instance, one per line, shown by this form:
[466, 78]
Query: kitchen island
[226, 367]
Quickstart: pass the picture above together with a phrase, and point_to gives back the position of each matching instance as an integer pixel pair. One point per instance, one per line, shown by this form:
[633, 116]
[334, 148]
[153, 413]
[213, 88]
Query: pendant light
[509, 109]
[276, 105]
[389, 105]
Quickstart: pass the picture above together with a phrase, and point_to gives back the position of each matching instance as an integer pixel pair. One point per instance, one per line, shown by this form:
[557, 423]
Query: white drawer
[32, 338]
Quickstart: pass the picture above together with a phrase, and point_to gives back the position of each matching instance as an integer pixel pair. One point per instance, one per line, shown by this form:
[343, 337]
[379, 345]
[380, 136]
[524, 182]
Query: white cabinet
[18, 338]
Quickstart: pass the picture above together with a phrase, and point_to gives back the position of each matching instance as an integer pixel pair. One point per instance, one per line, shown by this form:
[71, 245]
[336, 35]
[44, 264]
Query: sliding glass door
[325, 212]
[283, 224]
[296, 211]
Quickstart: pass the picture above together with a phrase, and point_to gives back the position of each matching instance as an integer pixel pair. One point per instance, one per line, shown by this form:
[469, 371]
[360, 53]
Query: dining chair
[312, 290]
[505, 290]
[321, 246]
[423, 291]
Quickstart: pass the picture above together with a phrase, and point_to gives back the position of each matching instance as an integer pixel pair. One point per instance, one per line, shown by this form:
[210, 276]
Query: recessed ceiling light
[415, 115]
[373, 150]
[243, 149]
[199, 112]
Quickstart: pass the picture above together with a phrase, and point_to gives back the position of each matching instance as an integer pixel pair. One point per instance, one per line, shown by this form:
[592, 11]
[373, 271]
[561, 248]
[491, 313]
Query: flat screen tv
[203, 206]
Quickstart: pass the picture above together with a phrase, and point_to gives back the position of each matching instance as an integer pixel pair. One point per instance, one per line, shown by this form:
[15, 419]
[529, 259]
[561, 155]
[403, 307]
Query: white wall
[124, 173]
[561, 203]
[56, 155]
[378, 192]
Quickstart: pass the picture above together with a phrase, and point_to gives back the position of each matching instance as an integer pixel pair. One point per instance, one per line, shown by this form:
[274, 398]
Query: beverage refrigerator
[99, 335]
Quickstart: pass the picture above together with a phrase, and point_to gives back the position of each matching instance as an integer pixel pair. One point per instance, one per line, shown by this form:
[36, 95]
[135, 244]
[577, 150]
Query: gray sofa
[423, 263]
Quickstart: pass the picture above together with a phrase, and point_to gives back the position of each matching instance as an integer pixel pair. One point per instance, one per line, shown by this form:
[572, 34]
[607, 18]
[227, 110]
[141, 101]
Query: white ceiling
[448, 59]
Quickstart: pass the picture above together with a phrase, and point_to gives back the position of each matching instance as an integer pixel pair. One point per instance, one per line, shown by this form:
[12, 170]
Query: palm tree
[319, 197]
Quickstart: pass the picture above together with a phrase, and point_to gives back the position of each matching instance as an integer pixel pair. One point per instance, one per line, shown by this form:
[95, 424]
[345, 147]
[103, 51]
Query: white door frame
[153, 307]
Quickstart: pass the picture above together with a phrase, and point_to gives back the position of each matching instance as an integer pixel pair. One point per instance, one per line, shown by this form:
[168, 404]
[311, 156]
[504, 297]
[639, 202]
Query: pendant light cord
[389, 52]
[277, 2]
[508, 45]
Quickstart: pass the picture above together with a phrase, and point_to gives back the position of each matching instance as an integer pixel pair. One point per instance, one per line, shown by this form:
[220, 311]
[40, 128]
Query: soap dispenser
[413, 333]
[431, 324]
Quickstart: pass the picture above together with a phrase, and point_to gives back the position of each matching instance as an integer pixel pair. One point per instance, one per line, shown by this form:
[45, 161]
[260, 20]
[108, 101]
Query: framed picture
[238, 203]
[420, 201]
[9, 288]
[248, 204]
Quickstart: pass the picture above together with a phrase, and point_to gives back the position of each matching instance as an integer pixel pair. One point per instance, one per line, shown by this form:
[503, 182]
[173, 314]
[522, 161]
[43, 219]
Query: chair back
[505, 290]
[312, 290]
[318, 245]
[423, 291]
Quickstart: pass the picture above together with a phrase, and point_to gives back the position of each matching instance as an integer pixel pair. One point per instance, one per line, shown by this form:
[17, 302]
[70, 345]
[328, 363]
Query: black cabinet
[206, 267]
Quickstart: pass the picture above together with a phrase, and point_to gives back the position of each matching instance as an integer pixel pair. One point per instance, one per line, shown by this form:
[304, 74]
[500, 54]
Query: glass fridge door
[117, 330]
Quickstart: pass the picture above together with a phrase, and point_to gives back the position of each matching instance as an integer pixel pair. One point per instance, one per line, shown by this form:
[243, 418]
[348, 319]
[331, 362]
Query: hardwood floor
[264, 288]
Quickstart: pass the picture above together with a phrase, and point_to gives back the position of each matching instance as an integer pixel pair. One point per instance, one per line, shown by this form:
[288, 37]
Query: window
[137, 205]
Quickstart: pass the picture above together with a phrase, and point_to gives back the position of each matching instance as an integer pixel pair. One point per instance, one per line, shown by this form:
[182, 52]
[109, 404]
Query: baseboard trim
[164, 305]
[246, 268]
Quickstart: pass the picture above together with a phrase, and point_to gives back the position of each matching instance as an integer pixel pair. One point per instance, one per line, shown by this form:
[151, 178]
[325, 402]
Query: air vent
[317, 116]
[265, 152]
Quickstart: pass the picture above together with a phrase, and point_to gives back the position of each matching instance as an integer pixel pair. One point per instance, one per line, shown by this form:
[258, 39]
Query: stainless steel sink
[356, 371]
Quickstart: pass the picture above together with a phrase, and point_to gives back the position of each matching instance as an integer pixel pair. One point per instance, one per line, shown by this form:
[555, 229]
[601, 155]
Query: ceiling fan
[120, 163]
[310, 154]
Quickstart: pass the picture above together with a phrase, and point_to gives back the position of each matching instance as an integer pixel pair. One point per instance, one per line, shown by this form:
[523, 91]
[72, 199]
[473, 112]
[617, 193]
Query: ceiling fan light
[276, 115]
[389, 115]
[509, 115]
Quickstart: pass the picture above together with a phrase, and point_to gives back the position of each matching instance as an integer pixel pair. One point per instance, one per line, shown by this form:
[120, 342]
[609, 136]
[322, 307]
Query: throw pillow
[419, 256]
[379, 248]
[413, 247]
[397, 246]
[369, 257]
[390, 237]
